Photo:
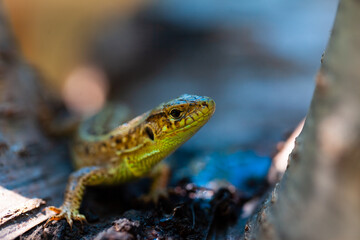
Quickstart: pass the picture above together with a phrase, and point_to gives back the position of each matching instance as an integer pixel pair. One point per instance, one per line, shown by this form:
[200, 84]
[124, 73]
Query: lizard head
[174, 122]
[166, 128]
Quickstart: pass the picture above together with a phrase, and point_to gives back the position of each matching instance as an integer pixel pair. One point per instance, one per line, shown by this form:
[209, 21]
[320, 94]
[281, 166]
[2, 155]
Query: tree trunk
[29, 171]
[319, 195]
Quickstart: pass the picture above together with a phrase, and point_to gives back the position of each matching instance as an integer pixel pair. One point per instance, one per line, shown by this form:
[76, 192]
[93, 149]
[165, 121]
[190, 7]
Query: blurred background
[256, 59]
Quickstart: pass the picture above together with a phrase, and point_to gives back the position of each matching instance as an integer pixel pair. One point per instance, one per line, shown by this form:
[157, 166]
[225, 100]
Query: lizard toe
[65, 213]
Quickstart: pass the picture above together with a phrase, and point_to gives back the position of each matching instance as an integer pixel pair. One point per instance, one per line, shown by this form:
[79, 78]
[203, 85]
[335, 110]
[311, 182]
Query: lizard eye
[175, 113]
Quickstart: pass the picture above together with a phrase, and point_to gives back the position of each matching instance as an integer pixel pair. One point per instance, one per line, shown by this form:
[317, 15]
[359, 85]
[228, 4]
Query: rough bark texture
[319, 195]
[25, 170]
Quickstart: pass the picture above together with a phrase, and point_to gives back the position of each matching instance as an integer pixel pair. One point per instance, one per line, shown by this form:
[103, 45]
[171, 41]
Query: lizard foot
[67, 213]
[154, 196]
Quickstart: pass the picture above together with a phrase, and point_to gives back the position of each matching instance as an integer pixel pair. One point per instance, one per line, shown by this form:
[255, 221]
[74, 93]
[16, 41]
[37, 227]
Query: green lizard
[106, 153]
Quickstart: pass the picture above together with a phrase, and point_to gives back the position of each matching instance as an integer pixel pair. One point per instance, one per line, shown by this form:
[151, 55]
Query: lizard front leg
[160, 176]
[87, 176]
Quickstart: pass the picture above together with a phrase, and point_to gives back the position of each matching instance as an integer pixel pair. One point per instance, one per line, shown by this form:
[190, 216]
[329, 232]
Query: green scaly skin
[106, 153]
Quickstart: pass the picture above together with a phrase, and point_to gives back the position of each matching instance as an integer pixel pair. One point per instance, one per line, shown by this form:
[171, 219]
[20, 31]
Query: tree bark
[29, 171]
[319, 195]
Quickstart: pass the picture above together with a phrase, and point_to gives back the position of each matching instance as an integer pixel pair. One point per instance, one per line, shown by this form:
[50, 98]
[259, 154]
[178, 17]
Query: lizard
[106, 152]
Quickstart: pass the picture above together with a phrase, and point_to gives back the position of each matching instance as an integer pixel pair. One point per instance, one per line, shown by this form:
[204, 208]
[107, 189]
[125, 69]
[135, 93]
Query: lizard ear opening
[149, 132]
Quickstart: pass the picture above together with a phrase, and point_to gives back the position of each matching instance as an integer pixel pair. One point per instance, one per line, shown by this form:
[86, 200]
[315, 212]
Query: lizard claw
[67, 213]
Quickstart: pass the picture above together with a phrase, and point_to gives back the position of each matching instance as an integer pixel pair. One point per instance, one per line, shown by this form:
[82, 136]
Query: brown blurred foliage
[54, 36]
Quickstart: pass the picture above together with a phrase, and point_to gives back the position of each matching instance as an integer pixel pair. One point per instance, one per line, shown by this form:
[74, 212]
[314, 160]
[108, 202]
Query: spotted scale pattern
[107, 151]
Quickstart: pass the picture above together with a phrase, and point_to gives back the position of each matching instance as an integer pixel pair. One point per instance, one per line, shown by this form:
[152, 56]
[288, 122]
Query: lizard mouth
[203, 110]
[197, 111]
[200, 114]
